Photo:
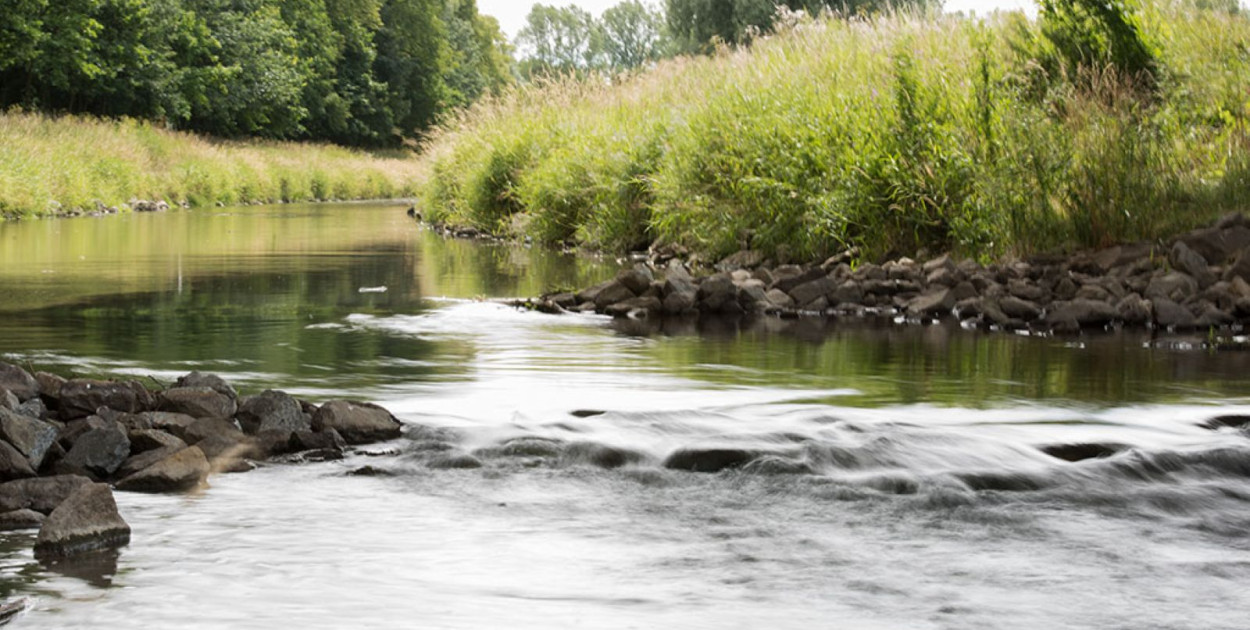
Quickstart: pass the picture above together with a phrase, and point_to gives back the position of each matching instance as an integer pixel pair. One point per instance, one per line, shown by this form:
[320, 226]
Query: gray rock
[272, 411]
[809, 292]
[209, 427]
[942, 262]
[135, 463]
[20, 519]
[86, 521]
[1169, 314]
[8, 400]
[357, 422]
[964, 290]
[637, 280]
[97, 454]
[211, 381]
[848, 292]
[794, 276]
[717, 294]
[1028, 291]
[173, 423]
[310, 441]
[1134, 310]
[779, 298]
[1213, 316]
[678, 303]
[991, 311]
[33, 408]
[1174, 286]
[18, 381]
[752, 296]
[744, 259]
[13, 465]
[935, 304]
[1240, 267]
[1065, 290]
[198, 402]
[31, 437]
[639, 307]
[41, 494]
[1017, 308]
[49, 386]
[1086, 313]
[1192, 263]
[454, 461]
[1217, 245]
[944, 277]
[592, 293]
[80, 398]
[76, 428]
[184, 470]
[1093, 292]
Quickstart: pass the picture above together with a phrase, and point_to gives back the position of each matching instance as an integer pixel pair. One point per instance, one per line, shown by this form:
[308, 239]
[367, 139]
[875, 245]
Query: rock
[1134, 310]
[136, 463]
[40, 494]
[752, 296]
[185, 470]
[849, 292]
[86, 521]
[934, 304]
[454, 461]
[197, 402]
[708, 460]
[20, 519]
[1081, 451]
[678, 303]
[591, 294]
[49, 387]
[272, 411]
[944, 277]
[744, 259]
[793, 276]
[226, 454]
[31, 437]
[613, 293]
[942, 262]
[1240, 267]
[637, 280]
[1174, 286]
[1093, 292]
[1192, 263]
[76, 428]
[357, 422]
[1213, 317]
[33, 408]
[718, 294]
[1086, 313]
[1169, 314]
[150, 439]
[1218, 245]
[1017, 308]
[991, 311]
[1065, 289]
[773, 465]
[807, 293]
[779, 299]
[209, 427]
[310, 441]
[211, 381]
[13, 465]
[173, 423]
[8, 400]
[97, 454]
[82, 397]
[1028, 291]
[638, 308]
[18, 381]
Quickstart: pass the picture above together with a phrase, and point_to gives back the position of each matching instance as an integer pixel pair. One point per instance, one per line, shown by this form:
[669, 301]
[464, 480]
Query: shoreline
[1197, 281]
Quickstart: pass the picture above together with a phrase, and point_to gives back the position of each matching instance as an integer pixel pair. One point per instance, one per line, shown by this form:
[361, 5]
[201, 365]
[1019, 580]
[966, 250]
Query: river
[926, 501]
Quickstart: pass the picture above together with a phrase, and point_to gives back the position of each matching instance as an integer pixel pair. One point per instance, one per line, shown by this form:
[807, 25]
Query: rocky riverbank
[1200, 280]
[66, 444]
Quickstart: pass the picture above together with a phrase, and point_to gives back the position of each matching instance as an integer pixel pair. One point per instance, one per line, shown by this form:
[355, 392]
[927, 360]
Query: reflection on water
[538, 494]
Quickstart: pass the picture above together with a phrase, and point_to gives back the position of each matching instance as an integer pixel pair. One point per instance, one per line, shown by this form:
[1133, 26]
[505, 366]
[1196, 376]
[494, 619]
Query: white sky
[511, 13]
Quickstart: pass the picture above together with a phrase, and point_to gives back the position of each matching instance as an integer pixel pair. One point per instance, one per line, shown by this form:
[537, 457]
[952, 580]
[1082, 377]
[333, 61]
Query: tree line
[357, 72]
[354, 72]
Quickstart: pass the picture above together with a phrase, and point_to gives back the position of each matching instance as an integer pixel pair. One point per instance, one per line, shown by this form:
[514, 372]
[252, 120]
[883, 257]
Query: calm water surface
[927, 502]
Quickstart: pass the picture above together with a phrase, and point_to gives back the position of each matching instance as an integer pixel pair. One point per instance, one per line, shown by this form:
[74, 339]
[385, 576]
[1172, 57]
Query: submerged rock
[87, 520]
[709, 460]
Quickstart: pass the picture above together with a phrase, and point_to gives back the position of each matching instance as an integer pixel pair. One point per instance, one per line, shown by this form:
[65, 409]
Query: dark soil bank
[63, 443]
[1200, 280]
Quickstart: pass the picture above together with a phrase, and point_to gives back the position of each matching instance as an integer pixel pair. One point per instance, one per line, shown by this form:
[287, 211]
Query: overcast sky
[511, 13]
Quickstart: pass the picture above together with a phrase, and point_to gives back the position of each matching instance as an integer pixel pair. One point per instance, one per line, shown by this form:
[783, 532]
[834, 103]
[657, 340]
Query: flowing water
[922, 499]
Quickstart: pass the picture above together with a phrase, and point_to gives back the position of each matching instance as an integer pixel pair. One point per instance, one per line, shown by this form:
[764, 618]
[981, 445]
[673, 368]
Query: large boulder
[211, 381]
[18, 381]
[86, 521]
[184, 470]
[718, 294]
[614, 292]
[198, 402]
[42, 494]
[1192, 263]
[357, 422]
[637, 279]
[82, 397]
[30, 436]
[1174, 286]
[1217, 244]
[13, 465]
[272, 411]
[1169, 314]
[97, 453]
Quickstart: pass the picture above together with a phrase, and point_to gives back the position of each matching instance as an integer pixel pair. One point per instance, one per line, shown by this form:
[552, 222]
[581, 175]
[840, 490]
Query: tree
[632, 34]
[558, 40]
[479, 62]
[697, 24]
[412, 55]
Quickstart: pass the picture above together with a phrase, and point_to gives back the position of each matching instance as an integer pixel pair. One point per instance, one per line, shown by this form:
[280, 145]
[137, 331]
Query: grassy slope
[891, 135]
[73, 162]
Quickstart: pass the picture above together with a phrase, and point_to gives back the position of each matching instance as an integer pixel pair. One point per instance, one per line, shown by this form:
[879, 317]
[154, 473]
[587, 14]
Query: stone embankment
[1200, 280]
[64, 444]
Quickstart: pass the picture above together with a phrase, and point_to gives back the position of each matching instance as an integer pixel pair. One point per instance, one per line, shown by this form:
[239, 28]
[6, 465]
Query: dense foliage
[1098, 122]
[569, 40]
[365, 72]
[697, 25]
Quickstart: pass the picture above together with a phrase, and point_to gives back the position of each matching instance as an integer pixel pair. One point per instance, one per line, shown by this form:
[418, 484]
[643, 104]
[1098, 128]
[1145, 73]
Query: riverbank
[1197, 281]
[984, 138]
[69, 165]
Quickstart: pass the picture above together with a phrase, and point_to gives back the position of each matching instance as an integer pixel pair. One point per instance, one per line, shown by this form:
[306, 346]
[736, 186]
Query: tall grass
[61, 163]
[892, 135]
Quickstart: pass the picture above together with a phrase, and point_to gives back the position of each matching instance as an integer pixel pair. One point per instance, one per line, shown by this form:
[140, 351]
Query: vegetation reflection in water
[266, 293]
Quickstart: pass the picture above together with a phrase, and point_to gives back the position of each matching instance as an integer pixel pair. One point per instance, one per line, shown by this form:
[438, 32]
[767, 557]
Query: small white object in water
[373, 289]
